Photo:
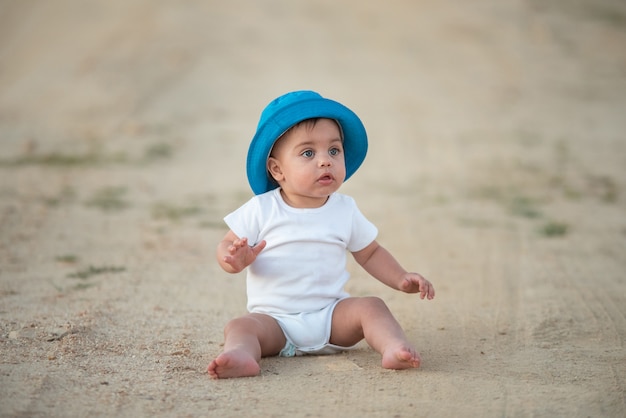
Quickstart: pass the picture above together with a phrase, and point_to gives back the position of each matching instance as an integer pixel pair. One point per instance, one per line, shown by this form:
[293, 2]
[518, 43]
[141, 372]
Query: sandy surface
[497, 168]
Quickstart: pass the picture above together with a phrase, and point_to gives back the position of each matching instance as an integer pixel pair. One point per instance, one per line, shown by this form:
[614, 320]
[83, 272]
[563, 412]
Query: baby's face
[308, 163]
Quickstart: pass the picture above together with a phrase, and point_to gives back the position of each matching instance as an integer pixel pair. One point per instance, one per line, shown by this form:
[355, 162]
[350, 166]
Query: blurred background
[424, 76]
[496, 167]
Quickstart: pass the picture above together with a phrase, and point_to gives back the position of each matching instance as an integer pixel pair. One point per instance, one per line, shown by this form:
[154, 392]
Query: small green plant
[554, 229]
[83, 286]
[56, 159]
[158, 151]
[174, 213]
[109, 199]
[524, 207]
[604, 187]
[610, 15]
[65, 196]
[67, 258]
[94, 271]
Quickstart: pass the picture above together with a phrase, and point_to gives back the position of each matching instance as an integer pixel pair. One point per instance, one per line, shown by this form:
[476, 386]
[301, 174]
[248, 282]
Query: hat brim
[354, 137]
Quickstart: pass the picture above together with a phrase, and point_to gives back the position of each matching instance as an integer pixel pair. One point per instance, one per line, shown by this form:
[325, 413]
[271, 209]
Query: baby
[293, 237]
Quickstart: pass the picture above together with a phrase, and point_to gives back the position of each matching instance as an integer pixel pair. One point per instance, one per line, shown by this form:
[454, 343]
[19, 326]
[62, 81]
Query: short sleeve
[244, 221]
[363, 231]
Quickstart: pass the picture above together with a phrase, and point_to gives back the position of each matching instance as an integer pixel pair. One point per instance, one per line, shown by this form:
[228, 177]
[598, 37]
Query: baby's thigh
[349, 316]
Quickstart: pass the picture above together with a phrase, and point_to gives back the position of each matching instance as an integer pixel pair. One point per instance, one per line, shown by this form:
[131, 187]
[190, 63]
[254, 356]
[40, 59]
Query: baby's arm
[234, 254]
[378, 262]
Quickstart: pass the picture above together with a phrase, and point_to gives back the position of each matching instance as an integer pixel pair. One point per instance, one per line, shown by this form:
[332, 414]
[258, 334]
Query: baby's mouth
[326, 178]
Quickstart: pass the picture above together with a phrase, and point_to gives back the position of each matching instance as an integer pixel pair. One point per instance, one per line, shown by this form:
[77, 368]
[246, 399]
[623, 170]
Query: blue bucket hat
[290, 109]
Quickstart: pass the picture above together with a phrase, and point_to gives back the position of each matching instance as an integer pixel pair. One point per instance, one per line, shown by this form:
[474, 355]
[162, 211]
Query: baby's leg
[246, 340]
[369, 318]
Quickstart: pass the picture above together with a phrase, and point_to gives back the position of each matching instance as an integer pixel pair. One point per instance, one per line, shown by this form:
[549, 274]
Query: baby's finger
[424, 288]
[429, 290]
[258, 248]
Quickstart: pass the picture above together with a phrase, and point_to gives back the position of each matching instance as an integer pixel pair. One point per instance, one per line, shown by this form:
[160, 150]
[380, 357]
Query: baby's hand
[241, 255]
[415, 283]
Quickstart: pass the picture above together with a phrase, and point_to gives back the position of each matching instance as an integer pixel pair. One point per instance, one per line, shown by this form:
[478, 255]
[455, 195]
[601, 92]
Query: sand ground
[497, 168]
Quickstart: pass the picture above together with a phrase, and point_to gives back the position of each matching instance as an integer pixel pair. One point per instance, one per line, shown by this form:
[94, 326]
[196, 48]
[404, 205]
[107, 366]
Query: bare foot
[401, 357]
[234, 363]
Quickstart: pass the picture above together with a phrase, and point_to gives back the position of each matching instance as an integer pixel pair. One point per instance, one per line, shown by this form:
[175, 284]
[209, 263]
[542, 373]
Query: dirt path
[496, 168]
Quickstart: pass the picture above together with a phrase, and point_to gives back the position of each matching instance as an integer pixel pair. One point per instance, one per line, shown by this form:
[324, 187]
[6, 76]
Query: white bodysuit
[303, 266]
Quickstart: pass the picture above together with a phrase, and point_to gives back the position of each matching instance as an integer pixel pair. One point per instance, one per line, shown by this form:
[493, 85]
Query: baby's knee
[230, 325]
[374, 302]
[256, 324]
[236, 324]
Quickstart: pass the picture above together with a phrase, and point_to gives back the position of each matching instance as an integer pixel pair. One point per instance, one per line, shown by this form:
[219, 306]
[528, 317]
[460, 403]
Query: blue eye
[308, 153]
[334, 152]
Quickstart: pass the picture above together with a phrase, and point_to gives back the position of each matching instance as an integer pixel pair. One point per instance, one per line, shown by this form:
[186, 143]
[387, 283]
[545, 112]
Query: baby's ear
[273, 167]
